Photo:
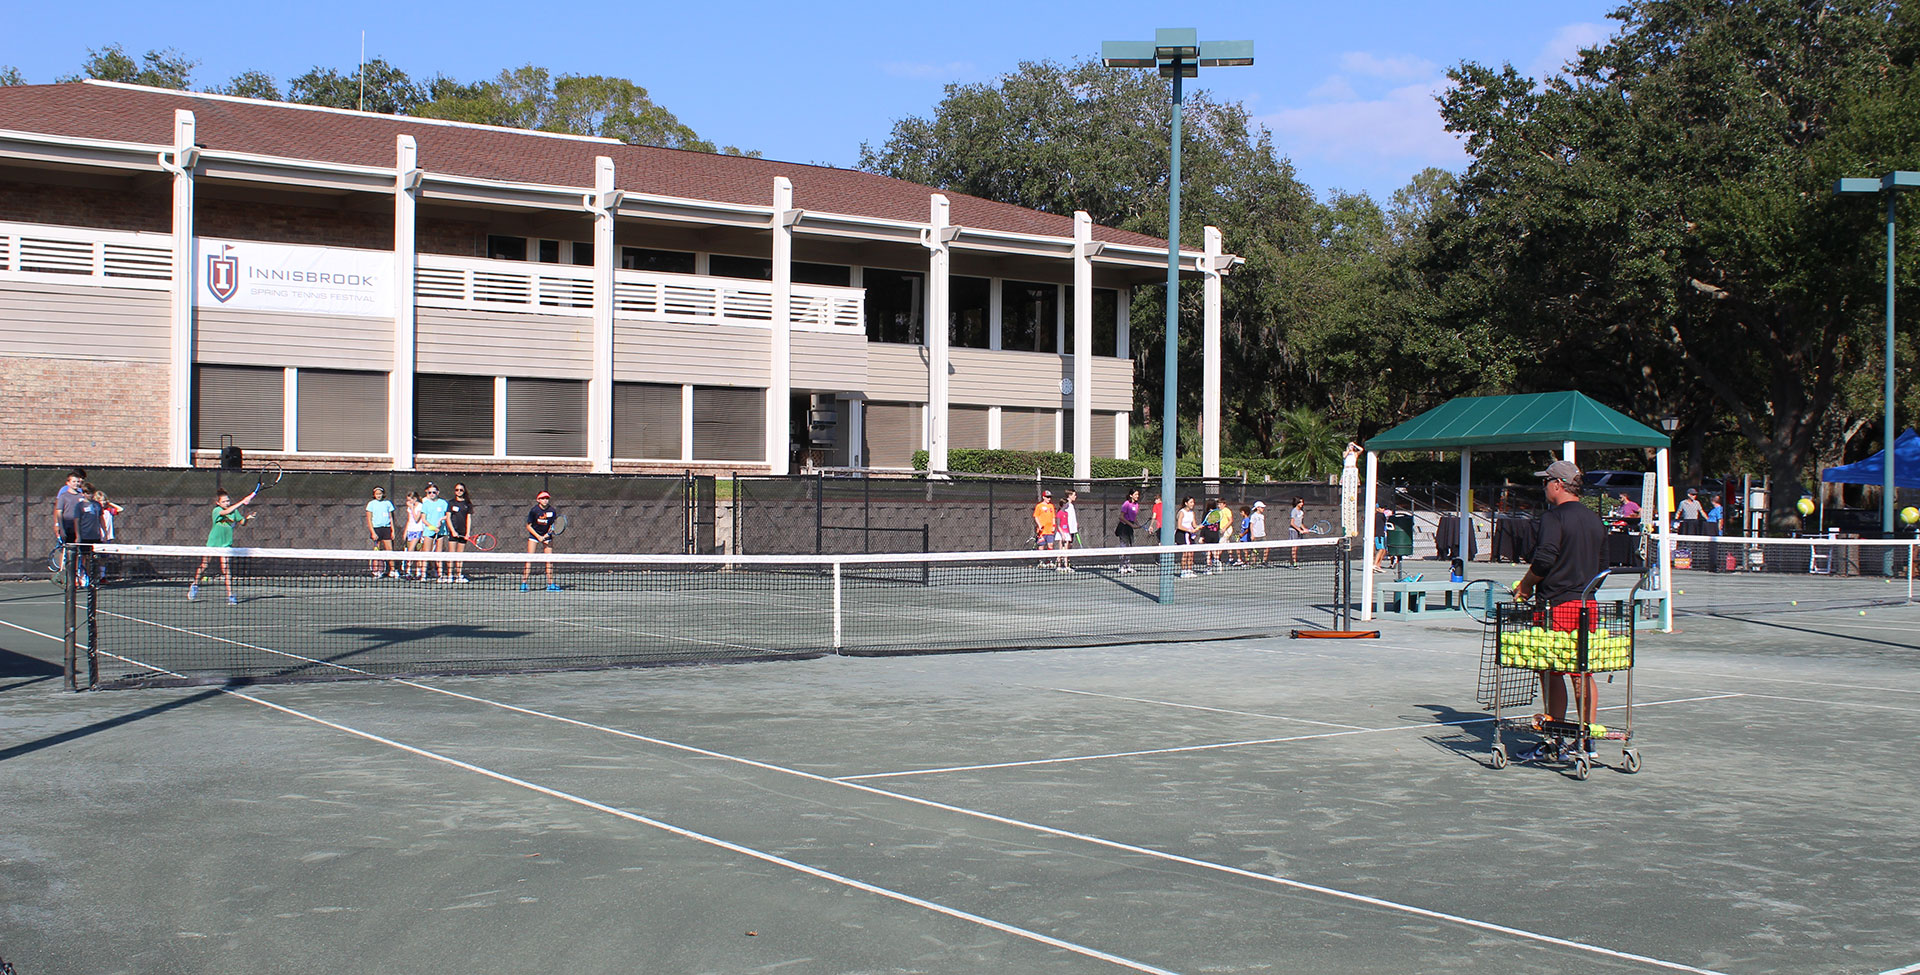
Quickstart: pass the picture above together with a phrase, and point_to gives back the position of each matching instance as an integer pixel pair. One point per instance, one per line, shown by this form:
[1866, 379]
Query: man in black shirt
[1569, 554]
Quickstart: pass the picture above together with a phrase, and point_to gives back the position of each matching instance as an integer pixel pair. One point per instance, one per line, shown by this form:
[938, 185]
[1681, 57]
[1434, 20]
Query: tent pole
[1466, 509]
[1366, 551]
[1663, 505]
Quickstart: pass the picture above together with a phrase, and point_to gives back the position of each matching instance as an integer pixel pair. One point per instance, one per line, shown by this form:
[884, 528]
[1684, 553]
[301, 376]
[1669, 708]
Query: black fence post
[866, 516]
[989, 516]
[739, 515]
[67, 580]
[26, 518]
[819, 511]
[93, 636]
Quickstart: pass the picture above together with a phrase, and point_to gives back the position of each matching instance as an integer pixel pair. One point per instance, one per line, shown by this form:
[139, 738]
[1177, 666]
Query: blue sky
[1346, 88]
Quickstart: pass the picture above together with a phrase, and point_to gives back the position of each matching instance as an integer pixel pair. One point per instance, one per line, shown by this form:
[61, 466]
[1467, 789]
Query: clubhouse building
[331, 288]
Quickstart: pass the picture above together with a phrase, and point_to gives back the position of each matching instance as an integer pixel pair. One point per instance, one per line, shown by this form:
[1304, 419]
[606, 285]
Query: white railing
[567, 289]
[83, 255]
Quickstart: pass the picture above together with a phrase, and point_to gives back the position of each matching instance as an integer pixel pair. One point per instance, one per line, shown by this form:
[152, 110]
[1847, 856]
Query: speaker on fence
[230, 457]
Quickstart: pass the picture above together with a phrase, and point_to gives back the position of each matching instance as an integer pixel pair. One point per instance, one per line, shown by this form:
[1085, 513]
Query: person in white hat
[1257, 528]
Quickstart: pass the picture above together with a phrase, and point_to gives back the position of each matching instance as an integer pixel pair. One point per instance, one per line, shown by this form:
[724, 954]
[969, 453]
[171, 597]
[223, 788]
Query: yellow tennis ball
[1805, 505]
[1863, 612]
[1910, 515]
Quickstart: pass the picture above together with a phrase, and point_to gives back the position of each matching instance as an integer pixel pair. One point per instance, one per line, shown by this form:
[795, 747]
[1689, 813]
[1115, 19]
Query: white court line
[1908, 970]
[1224, 744]
[1065, 834]
[1199, 707]
[1834, 704]
[683, 832]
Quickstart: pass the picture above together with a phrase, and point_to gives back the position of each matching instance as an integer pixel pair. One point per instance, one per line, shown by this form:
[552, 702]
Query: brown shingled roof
[130, 114]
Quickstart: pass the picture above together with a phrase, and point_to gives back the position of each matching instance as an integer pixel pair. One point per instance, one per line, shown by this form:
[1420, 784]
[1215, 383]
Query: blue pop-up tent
[1873, 470]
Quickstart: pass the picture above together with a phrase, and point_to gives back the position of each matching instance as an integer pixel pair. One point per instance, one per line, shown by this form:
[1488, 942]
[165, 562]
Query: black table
[1446, 539]
[1514, 537]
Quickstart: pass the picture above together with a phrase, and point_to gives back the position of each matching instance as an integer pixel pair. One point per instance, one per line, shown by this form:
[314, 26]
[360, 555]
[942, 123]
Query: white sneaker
[460, 578]
[1186, 574]
[393, 573]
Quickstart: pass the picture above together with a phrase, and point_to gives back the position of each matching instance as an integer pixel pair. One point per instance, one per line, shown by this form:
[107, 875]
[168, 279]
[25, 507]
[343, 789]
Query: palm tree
[1309, 446]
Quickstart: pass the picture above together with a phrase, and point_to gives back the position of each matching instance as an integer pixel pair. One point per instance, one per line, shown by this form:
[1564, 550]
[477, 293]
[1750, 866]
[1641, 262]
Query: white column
[939, 332]
[1121, 434]
[1661, 498]
[600, 387]
[406, 328]
[1466, 510]
[857, 433]
[1083, 251]
[993, 428]
[1369, 501]
[1566, 451]
[180, 355]
[780, 381]
[290, 413]
[1210, 358]
[686, 424]
[499, 416]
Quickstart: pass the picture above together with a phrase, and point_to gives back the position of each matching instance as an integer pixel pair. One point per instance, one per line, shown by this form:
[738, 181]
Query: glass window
[1029, 316]
[895, 305]
[1106, 337]
[248, 403]
[838, 275]
[893, 431]
[729, 423]
[549, 252]
[647, 259]
[342, 412]
[646, 421]
[453, 415]
[506, 248]
[729, 266]
[969, 300]
[583, 252]
[546, 418]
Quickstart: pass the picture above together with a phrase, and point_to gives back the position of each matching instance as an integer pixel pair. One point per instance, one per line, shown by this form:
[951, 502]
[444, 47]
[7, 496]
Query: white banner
[251, 276]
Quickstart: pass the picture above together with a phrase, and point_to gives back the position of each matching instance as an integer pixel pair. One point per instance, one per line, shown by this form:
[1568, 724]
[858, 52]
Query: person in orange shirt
[1044, 521]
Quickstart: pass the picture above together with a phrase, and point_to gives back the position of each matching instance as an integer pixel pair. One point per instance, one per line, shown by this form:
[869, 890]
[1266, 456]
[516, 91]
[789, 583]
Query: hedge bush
[1022, 463]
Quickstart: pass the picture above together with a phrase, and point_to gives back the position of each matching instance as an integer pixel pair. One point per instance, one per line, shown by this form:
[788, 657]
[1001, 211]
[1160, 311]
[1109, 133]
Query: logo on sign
[223, 273]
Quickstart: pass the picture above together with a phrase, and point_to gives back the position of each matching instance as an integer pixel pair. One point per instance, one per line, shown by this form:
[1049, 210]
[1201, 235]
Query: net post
[836, 606]
[989, 547]
[926, 546]
[93, 636]
[819, 511]
[70, 603]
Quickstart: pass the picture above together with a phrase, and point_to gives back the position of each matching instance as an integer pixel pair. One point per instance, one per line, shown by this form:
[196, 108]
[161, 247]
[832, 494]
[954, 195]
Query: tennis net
[1716, 575]
[164, 614]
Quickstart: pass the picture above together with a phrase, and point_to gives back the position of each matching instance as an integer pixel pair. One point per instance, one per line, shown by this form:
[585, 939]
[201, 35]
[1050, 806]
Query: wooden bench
[1403, 600]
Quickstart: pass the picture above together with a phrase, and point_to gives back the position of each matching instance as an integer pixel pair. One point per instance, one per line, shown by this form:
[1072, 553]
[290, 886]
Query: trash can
[1400, 536]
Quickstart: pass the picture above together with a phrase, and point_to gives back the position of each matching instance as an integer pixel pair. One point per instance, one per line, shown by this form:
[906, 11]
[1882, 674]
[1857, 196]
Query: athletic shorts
[383, 533]
[1566, 616]
[1186, 538]
[415, 536]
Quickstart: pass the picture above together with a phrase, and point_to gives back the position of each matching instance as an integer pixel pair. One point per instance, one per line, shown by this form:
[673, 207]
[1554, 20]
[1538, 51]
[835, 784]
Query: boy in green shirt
[226, 517]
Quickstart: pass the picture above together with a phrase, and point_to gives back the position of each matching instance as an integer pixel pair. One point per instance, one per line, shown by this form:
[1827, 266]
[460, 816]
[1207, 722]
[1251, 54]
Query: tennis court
[1248, 804]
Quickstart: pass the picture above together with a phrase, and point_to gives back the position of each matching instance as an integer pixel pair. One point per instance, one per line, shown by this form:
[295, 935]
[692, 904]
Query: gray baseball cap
[1563, 471]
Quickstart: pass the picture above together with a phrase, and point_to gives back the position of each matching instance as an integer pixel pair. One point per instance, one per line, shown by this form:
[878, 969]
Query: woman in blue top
[380, 532]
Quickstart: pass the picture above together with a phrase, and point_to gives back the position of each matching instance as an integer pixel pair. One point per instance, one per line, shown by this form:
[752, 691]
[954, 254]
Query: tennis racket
[1320, 527]
[559, 525]
[267, 477]
[484, 541]
[1482, 599]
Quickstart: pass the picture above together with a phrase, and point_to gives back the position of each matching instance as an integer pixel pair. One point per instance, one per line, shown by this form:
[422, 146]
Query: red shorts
[1566, 616]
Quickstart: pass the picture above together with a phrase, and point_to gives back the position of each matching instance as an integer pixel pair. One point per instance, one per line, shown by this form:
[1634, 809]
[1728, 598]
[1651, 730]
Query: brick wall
[455, 238]
[285, 224]
[78, 206]
[72, 411]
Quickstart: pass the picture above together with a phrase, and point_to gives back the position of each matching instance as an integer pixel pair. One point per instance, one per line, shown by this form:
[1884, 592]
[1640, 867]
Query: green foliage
[166, 68]
[251, 84]
[1310, 448]
[1023, 463]
[531, 97]
[10, 75]
[374, 87]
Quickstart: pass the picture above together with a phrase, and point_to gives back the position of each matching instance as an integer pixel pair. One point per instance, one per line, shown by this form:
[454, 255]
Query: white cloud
[925, 71]
[1400, 128]
[1565, 45]
[1391, 68]
[1334, 89]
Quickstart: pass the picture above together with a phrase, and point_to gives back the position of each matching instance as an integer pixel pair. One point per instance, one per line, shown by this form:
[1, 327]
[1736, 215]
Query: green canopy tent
[1558, 422]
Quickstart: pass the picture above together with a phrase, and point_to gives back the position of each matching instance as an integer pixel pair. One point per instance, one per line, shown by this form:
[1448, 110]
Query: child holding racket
[226, 517]
[433, 511]
[541, 520]
[380, 532]
[416, 537]
[459, 527]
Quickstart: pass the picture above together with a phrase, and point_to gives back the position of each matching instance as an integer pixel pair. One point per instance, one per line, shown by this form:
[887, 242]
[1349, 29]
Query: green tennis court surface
[1245, 805]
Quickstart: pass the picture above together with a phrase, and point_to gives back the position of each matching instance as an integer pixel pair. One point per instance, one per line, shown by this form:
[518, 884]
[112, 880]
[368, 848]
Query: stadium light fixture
[1178, 53]
[1889, 184]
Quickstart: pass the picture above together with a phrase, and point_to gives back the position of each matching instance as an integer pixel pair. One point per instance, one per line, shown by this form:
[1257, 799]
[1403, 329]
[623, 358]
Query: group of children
[82, 514]
[1058, 529]
[434, 524]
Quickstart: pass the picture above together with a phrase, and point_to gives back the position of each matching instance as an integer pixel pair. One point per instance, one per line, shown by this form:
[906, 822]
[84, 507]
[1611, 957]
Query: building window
[647, 259]
[546, 418]
[453, 415]
[967, 427]
[246, 402]
[970, 300]
[895, 305]
[729, 266]
[1024, 428]
[506, 248]
[837, 275]
[341, 412]
[646, 421]
[893, 433]
[583, 252]
[1106, 335]
[549, 252]
[1103, 429]
[1029, 316]
[729, 423]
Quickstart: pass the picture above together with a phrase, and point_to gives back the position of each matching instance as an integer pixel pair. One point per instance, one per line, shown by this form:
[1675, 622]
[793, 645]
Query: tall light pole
[1889, 184]
[1177, 53]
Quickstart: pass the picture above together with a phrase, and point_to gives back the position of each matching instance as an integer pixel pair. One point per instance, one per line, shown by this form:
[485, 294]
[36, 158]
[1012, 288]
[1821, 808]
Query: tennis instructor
[1567, 557]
